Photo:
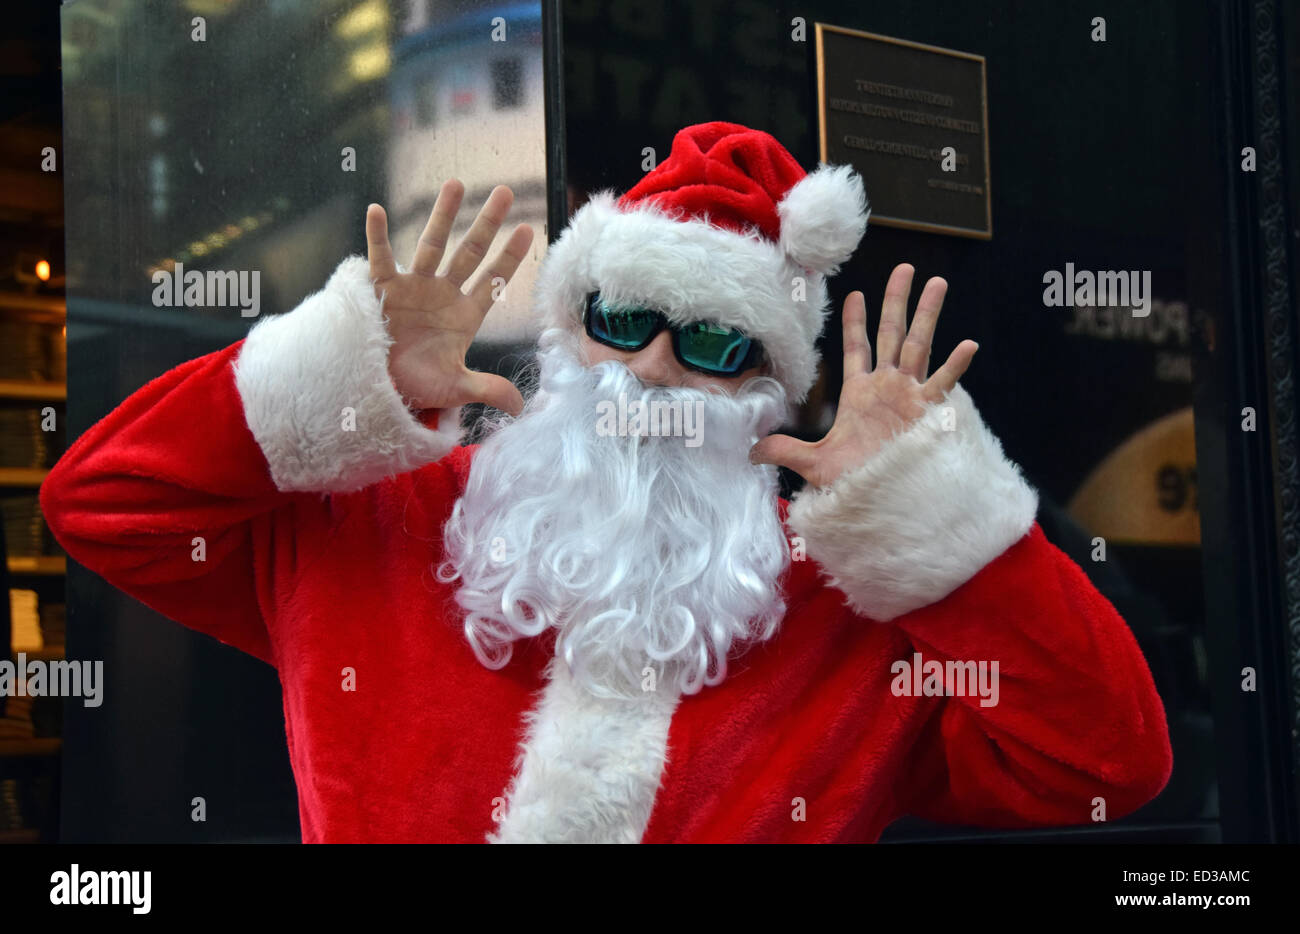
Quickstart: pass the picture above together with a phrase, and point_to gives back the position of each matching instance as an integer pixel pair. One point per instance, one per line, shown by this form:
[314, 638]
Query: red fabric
[429, 419]
[735, 175]
[424, 748]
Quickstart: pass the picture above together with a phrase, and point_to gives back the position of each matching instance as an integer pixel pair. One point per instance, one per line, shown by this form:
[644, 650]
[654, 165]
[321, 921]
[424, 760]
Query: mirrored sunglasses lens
[720, 350]
[622, 327]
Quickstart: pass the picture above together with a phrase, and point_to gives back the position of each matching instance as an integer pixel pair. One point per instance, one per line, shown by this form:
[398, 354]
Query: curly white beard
[641, 551]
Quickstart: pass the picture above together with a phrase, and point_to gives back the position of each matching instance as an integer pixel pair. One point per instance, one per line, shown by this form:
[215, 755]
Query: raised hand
[431, 318]
[876, 403]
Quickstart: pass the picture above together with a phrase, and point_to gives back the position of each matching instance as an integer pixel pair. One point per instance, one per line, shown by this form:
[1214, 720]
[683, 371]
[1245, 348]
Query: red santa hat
[728, 229]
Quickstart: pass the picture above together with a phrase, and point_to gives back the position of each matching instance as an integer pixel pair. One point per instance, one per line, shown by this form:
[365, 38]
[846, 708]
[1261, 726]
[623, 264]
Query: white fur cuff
[318, 397]
[931, 508]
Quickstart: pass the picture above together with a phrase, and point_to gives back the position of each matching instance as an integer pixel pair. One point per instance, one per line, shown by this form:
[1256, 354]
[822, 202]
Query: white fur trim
[921, 517]
[589, 768]
[690, 270]
[823, 218]
[297, 372]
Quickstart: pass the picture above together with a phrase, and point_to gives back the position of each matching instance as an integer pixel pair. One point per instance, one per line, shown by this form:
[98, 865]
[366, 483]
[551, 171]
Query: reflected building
[467, 102]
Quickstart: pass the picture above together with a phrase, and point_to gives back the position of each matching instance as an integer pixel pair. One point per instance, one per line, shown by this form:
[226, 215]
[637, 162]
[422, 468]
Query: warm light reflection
[43, 271]
[369, 63]
[370, 16]
[209, 7]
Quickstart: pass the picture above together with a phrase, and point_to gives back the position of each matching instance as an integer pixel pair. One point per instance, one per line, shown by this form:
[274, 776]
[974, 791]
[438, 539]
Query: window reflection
[259, 146]
[255, 148]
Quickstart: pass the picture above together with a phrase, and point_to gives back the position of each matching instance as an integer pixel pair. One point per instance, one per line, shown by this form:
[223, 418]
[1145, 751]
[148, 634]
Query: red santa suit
[321, 584]
[321, 544]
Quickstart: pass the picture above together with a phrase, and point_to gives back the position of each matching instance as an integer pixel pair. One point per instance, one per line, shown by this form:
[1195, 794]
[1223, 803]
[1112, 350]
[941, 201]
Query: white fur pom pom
[823, 217]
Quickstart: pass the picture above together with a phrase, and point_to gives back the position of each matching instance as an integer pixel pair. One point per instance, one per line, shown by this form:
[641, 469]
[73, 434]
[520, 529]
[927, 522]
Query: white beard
[642, 552]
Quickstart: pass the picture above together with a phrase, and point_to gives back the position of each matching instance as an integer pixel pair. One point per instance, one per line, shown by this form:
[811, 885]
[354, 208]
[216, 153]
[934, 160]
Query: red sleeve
[1077, 716]
[171, 475]
[203, 493]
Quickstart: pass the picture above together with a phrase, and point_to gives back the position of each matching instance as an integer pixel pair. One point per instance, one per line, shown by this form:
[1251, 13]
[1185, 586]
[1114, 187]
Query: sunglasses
[705, 348]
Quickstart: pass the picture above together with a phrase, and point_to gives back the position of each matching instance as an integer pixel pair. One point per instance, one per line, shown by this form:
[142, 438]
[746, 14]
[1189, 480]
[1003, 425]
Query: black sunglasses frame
[753, 357]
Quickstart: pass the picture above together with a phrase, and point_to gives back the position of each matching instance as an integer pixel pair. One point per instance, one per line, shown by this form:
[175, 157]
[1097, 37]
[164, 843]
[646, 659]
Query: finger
[433, 241]
[857, 349]
[946, 377]
[382, 265]
[893, 315]
[915, 356]
[475, 246]
[487, 289]
[496, 391]
[784, 451]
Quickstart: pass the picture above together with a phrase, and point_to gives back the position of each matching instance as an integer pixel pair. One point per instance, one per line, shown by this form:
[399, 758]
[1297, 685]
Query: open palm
[432, 320]
[876, 402]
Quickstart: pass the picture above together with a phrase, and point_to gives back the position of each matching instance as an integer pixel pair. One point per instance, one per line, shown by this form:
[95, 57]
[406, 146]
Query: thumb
[784, 451]
[496, 391]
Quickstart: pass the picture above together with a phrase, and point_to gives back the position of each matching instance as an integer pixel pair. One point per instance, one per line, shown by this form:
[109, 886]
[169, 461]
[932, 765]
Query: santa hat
[728, 229]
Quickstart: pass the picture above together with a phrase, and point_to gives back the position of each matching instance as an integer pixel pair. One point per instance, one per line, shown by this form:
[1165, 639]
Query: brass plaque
[890, 108]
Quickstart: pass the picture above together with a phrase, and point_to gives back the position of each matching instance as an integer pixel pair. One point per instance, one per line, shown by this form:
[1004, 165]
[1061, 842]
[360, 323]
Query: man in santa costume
[572, 633]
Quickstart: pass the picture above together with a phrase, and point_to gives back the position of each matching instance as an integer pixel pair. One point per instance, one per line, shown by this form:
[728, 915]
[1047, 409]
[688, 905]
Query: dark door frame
[1251, 533]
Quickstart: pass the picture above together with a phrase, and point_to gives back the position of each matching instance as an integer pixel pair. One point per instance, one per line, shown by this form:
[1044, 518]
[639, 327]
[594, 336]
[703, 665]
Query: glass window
[1094, 404]
[507, 83]
[253, 148]
[426, 103]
